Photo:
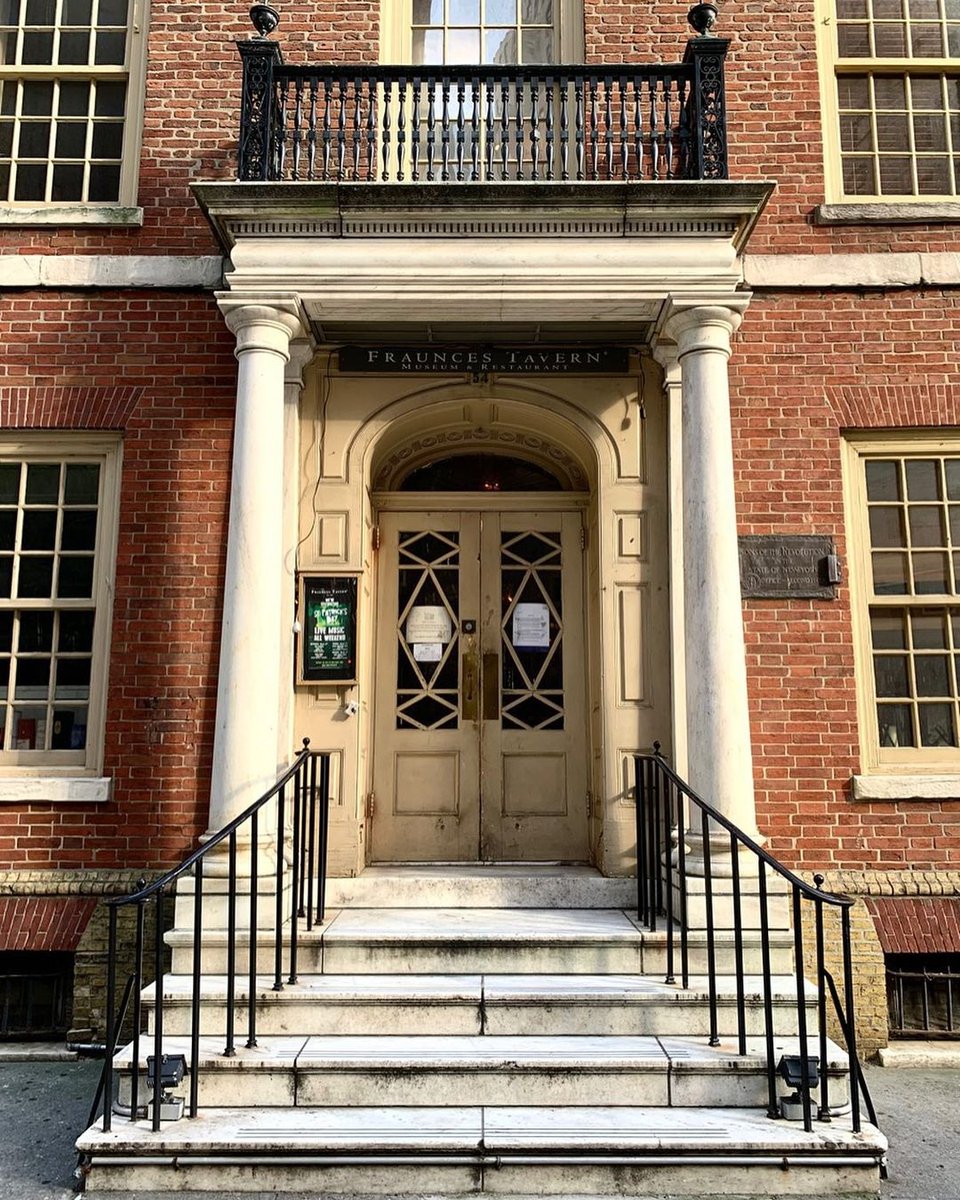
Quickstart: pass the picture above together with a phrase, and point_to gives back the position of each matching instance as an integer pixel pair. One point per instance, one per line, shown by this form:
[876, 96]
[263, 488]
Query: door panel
[480, 720]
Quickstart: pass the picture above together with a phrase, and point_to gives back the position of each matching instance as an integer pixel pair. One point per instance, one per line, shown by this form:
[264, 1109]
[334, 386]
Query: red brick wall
[806, 366]
[193, 105]
[174, 357]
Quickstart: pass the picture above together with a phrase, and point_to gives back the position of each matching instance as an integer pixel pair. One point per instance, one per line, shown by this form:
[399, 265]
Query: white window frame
[123, 210]
[831, 67]
[67, 447]
[396, 38]
[915, 762]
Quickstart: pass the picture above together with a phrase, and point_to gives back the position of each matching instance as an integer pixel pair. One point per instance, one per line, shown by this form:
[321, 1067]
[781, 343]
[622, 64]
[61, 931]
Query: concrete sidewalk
[44, 1106]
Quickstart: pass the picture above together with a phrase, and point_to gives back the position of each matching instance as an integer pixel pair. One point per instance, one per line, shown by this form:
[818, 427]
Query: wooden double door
[480, 729]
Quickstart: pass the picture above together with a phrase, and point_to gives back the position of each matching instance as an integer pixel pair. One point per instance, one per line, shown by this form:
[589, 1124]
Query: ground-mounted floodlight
[803, 1075]
[173, 1067]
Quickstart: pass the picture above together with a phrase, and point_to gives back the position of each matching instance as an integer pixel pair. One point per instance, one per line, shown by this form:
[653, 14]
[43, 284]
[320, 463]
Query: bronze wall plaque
[787, 567]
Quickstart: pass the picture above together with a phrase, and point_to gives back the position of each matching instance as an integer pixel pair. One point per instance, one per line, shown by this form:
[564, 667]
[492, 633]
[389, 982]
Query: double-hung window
[70, 98]
[905, 528]
[891, 85]
[57, 535]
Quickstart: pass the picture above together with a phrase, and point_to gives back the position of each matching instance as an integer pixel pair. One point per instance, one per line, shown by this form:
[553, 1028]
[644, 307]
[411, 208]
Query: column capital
[705, 325]
[666, 354]
[301, 353]
[263, 322]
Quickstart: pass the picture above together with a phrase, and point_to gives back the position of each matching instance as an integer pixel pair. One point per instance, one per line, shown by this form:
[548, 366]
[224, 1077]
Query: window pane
[927, 41]
[33, 679]
[81, 484]
[538, 45]
[463, 46]
[926, 526]
[929, 628]
[76, 632]
[930, 574]
[107, 139]
[896, 176]
[853, 41]
[887, 629]
[890, 574]
[853, 91]
[952, 471]
[67, 182]
[34, 139]
[936, 725]
[36, 632]
[110, 49]
[76, 12]
[923, 480]
[6, 575]
[933, 675]
[37, 49]
[112, 12]
[9, 483]
[890, 672]
[427, 47]
[896, 724]
[890, 92]
[6, 632]
[890, 40]
[8, 529]
[43, 483]
[69, 729]
[36, 577]
[74, 49]
[955, 524]
[933, 177]
[37, 99]
[39, 530]
[29, 728]
[536, 12]
[79, 530]
[463, 12]
[500, 12]
[428, 12]
[856, 132]
[500, 46]
[110, 100]
[883, 481]
[73, 676]
[886, 527]
[104, 183]
[76, 577]
[71, 139]
[74, 99]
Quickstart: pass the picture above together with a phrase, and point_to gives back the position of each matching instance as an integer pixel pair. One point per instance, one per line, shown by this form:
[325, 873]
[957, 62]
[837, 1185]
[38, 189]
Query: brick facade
[157, 367]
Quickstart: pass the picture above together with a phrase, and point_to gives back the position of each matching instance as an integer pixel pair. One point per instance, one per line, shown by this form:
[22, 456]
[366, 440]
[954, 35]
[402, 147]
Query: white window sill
[883, 213]
[53, 789]
[104, 214]
[906, 787]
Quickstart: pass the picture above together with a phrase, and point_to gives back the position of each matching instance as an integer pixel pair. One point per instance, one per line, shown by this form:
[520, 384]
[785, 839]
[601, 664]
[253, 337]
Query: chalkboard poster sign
[328, 629]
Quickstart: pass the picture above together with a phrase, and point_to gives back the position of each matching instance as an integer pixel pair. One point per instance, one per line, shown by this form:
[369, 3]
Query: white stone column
[301, 352]
[246, 737]
[666, 355]
[720, 764]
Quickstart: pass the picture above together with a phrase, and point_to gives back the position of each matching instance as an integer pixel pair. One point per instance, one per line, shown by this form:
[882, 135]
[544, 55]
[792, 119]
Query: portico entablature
[600, 256]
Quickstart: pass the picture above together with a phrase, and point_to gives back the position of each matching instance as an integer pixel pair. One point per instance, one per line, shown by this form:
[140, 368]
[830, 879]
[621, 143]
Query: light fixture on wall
[803, 1075]
[703, 17]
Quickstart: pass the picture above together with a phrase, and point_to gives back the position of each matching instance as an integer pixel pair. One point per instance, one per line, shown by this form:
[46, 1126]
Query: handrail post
[111, 1030]
[255, 156]
[708, 125]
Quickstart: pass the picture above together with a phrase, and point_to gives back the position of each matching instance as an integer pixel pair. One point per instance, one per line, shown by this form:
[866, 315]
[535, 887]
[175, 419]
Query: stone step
[491, 1070]
[600, 1005]
[503, 941]
[480, 885]
[645, 1153]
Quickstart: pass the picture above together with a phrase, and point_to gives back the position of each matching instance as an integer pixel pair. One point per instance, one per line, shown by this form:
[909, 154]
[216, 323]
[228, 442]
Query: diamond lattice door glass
[480, 735]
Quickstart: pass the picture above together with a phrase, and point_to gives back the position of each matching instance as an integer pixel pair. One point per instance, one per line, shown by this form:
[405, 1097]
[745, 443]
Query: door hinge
[583, 537]
[371, 803]
[375, 537]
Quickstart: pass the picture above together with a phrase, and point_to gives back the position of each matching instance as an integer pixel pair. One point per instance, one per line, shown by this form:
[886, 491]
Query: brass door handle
[468, 685]
[491, 686]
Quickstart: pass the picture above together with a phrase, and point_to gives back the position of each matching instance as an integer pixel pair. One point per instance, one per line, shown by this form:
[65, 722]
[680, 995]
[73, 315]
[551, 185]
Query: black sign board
[328, 629]
[504, 360]
[796, 566]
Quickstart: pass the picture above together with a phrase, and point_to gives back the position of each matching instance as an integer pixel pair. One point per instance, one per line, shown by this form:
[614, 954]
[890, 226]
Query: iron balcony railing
[294, 816]
[669, 814]
[470, 124]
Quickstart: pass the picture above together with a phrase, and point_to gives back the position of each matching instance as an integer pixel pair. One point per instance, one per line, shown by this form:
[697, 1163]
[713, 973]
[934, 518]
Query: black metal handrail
[669, 814]
[436, 124]
[302, 828]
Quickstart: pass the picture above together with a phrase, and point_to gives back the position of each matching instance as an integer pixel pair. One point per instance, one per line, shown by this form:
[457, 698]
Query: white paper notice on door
[429, 623]
[427, 651]
[531, 627]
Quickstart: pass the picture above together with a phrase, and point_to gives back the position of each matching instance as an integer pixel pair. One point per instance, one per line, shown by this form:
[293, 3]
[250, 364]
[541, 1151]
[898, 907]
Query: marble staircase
[462, 1030]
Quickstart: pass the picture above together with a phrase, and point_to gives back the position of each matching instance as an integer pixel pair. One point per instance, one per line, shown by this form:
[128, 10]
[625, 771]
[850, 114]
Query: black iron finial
[703, 17]
[265, 19]
[818, 881]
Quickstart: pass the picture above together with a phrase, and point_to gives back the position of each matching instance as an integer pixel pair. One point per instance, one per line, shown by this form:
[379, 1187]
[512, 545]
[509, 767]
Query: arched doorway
[481, 719]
